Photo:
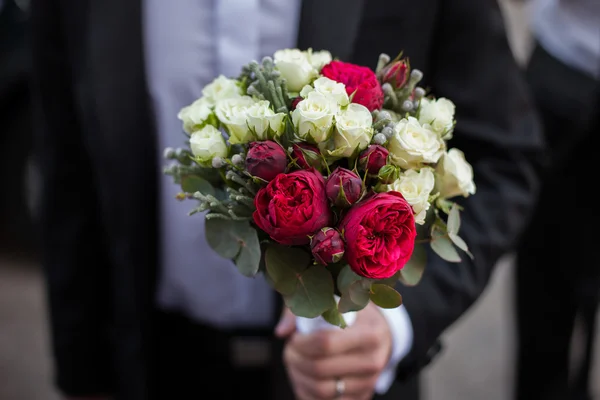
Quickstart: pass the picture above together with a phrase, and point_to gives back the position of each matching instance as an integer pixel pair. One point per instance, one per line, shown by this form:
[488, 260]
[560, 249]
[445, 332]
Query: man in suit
[557, 274]
[137, 308]
[15, 126]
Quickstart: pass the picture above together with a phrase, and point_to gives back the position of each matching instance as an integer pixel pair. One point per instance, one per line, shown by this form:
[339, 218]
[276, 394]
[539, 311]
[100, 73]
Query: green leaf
[411, 273]
[248, 260]
[460, 243]
[358, 293]
[313, 294]
[194, 183]
[284, 264]
[346, 304]
[391, 281]
[385, 296]
[345, 278]
[454, 219]
[442, 245]
[235, 240]
[334, 317]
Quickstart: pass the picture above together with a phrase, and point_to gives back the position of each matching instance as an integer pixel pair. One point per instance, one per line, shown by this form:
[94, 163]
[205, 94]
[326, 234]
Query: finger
[307, 387]
[286, 325]
[355, 364]
[328, 343]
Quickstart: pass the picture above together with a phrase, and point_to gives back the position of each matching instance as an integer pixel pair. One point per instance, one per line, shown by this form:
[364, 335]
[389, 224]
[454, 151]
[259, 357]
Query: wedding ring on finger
[340, 388]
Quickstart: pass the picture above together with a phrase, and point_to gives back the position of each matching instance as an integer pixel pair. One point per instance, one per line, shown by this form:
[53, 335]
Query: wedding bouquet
[327, 177]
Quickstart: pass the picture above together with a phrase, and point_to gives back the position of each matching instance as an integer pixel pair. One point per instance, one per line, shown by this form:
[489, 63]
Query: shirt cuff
[402, 340]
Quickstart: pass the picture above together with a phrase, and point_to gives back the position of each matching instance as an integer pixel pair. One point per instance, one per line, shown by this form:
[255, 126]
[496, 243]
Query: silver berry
[407, 105]
[218, 162]
[237, 159]
[387, 132]
[379, 139]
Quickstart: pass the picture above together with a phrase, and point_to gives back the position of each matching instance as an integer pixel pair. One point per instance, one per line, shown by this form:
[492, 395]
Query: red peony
[357, 78]
[292, 207]
[380, 235]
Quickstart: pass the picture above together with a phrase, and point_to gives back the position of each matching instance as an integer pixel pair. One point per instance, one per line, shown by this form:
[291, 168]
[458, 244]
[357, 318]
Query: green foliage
[235, 240]
[307, 289]
[385, 296]
[413, 270]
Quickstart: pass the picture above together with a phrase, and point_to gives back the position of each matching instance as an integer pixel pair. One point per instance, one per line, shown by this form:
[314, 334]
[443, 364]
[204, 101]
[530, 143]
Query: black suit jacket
[98, 157]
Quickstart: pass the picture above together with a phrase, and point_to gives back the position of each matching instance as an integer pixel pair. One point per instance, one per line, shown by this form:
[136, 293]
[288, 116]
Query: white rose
[454, 175]
[439, 114]
[413, 144]
[221, 88]
[295, 68]
[313, 117]
[354, 130]
[318, 59]
[195, 115]
[208, 143]
[263, 121]
[233, 114]
[416, 188]
[333, 89]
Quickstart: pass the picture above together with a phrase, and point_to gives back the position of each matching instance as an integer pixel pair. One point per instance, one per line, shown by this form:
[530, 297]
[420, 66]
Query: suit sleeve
[500, 135]
[74, 255]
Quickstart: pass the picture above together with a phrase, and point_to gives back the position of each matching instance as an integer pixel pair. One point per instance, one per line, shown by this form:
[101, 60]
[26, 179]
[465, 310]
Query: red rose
[343, 187]
[373, 158]
[266, 160]
[292, 207]
[327, 246]
[295, 102]
[357, 78]
[380, 235]
[307, 156]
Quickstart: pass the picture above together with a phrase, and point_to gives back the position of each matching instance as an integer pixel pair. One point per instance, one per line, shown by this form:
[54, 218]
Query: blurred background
[478, 358]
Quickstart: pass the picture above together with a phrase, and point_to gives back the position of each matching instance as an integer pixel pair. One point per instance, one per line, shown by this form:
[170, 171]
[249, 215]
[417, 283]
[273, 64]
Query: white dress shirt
[570, 31]
[187, 44]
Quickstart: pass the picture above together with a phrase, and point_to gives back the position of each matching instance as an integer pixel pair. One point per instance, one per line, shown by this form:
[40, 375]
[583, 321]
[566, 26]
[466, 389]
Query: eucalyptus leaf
[445, 249]
[313, 294]
[385, 296]
[345, 278]
[226, 236]
[346, 304]
[411, 273]
[460, 243]
[194, 183]
[284, 264]
[248, 260]
[334, 317]
[359, 294]
[454, 219]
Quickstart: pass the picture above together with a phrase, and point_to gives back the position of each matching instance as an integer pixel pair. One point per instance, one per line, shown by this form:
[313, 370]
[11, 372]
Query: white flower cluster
[418, 147]
[244, 118]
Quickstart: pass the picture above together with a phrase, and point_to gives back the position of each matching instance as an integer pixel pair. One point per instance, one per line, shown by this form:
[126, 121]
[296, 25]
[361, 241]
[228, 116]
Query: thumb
[286, 325]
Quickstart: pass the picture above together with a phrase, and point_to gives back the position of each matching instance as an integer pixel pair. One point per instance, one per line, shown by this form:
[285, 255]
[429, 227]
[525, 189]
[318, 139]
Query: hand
[356, 355]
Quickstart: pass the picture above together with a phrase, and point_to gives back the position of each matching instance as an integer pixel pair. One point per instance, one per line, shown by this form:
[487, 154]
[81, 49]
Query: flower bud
[295, 102]
[307, 156]
[396, 74]
[327, 246]
[388, 174]
[343, 187]
[266, 160]
[217, 162]
[373, 159]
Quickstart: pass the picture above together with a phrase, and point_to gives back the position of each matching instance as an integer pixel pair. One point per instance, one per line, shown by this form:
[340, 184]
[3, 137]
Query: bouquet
[327, 177]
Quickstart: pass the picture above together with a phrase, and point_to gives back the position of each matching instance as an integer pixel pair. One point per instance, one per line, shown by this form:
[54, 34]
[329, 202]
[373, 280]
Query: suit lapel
[330, 25]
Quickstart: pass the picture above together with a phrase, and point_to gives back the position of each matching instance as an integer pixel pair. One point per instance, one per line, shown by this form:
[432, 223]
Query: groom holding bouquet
[141, 307]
